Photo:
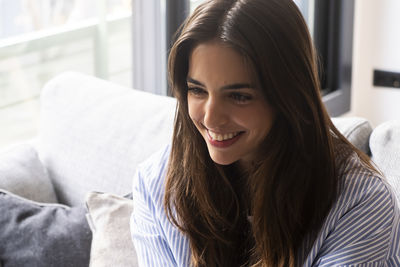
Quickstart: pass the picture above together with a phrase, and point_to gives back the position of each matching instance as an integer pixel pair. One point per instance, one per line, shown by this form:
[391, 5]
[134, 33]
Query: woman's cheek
[195, 111]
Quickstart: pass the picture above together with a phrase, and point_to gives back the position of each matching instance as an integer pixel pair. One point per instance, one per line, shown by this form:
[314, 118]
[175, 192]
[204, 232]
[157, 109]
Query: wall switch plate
[386, 79]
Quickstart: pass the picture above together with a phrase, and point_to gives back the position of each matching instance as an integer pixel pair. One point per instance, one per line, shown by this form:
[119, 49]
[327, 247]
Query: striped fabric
[362, 228]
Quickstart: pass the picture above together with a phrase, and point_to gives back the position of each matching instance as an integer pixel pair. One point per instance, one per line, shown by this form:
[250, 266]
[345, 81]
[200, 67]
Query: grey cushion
[109, 217]
[385, 149]
[356, 130]
[34, 234]
[22, 173]
[93, 133]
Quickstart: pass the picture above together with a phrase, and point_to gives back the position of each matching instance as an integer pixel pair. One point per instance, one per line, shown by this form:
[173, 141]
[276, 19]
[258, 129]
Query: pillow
[22, 173]
[108, 216]
[385, 149]
[356, 130]
[38, 234]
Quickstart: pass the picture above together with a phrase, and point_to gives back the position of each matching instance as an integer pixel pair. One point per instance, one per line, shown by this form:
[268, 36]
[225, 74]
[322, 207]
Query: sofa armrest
[385, 148]
[22, 173]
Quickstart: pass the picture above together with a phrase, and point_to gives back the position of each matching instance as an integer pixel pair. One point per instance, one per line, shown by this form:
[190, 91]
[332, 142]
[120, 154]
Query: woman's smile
[221, 137]
[223, 140]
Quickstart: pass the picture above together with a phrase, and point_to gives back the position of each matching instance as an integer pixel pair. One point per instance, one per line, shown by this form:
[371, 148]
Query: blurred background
[41, 38]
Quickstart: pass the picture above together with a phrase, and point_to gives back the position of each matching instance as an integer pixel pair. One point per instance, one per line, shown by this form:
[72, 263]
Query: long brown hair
[294, 181]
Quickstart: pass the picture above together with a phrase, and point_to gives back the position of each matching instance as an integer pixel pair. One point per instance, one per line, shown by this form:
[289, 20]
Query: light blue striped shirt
[362, 228]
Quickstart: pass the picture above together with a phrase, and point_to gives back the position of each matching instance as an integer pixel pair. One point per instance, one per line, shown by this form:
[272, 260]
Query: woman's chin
[222, 160]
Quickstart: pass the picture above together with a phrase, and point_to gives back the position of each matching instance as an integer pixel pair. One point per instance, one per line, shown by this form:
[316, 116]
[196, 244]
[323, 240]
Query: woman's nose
[215, 114]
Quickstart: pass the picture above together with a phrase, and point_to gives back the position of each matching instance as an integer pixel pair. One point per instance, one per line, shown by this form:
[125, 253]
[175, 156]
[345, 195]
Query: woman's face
[225, 103]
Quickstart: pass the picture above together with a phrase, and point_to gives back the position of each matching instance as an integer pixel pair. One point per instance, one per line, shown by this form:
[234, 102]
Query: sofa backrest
[93, 133]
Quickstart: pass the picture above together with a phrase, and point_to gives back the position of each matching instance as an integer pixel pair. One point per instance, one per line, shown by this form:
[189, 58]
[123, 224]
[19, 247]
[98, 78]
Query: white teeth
[220, 137]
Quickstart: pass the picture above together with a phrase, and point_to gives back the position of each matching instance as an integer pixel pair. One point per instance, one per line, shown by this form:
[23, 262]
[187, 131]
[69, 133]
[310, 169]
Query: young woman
[257, 174]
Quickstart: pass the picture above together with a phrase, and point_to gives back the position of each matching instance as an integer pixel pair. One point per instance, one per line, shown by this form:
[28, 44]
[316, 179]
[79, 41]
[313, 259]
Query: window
[333, 37]
[41, 38]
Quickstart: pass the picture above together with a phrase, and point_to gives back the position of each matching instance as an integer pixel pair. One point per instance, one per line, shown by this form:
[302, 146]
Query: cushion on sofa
[22, 173]
[357, 130]
[385, 150]
[34, 234]
[109, 220]
[93, 133]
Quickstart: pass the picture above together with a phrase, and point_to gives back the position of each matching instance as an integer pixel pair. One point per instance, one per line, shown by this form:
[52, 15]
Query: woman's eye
[196, 91]
[240, 98]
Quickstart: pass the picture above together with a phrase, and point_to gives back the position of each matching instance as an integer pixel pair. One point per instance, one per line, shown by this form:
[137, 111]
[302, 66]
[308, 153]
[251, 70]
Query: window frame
[333, 38]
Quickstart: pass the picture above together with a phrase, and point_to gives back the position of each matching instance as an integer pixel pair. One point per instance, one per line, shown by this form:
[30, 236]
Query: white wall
[376, 46]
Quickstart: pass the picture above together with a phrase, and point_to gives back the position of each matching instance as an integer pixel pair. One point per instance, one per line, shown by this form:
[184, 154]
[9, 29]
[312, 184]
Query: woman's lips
[223, 143]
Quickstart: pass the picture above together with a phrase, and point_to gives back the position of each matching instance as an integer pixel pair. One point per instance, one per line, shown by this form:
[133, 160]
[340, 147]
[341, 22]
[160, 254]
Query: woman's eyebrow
[237, 86]
[225, 87]
[191, 80]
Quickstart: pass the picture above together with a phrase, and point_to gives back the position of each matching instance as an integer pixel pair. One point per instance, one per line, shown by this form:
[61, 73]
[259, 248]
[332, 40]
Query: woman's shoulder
[158, 159]
[359, 182]
[362, 229]
[365, 196]
[365, 215]
[151, 172]
[354, 172]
